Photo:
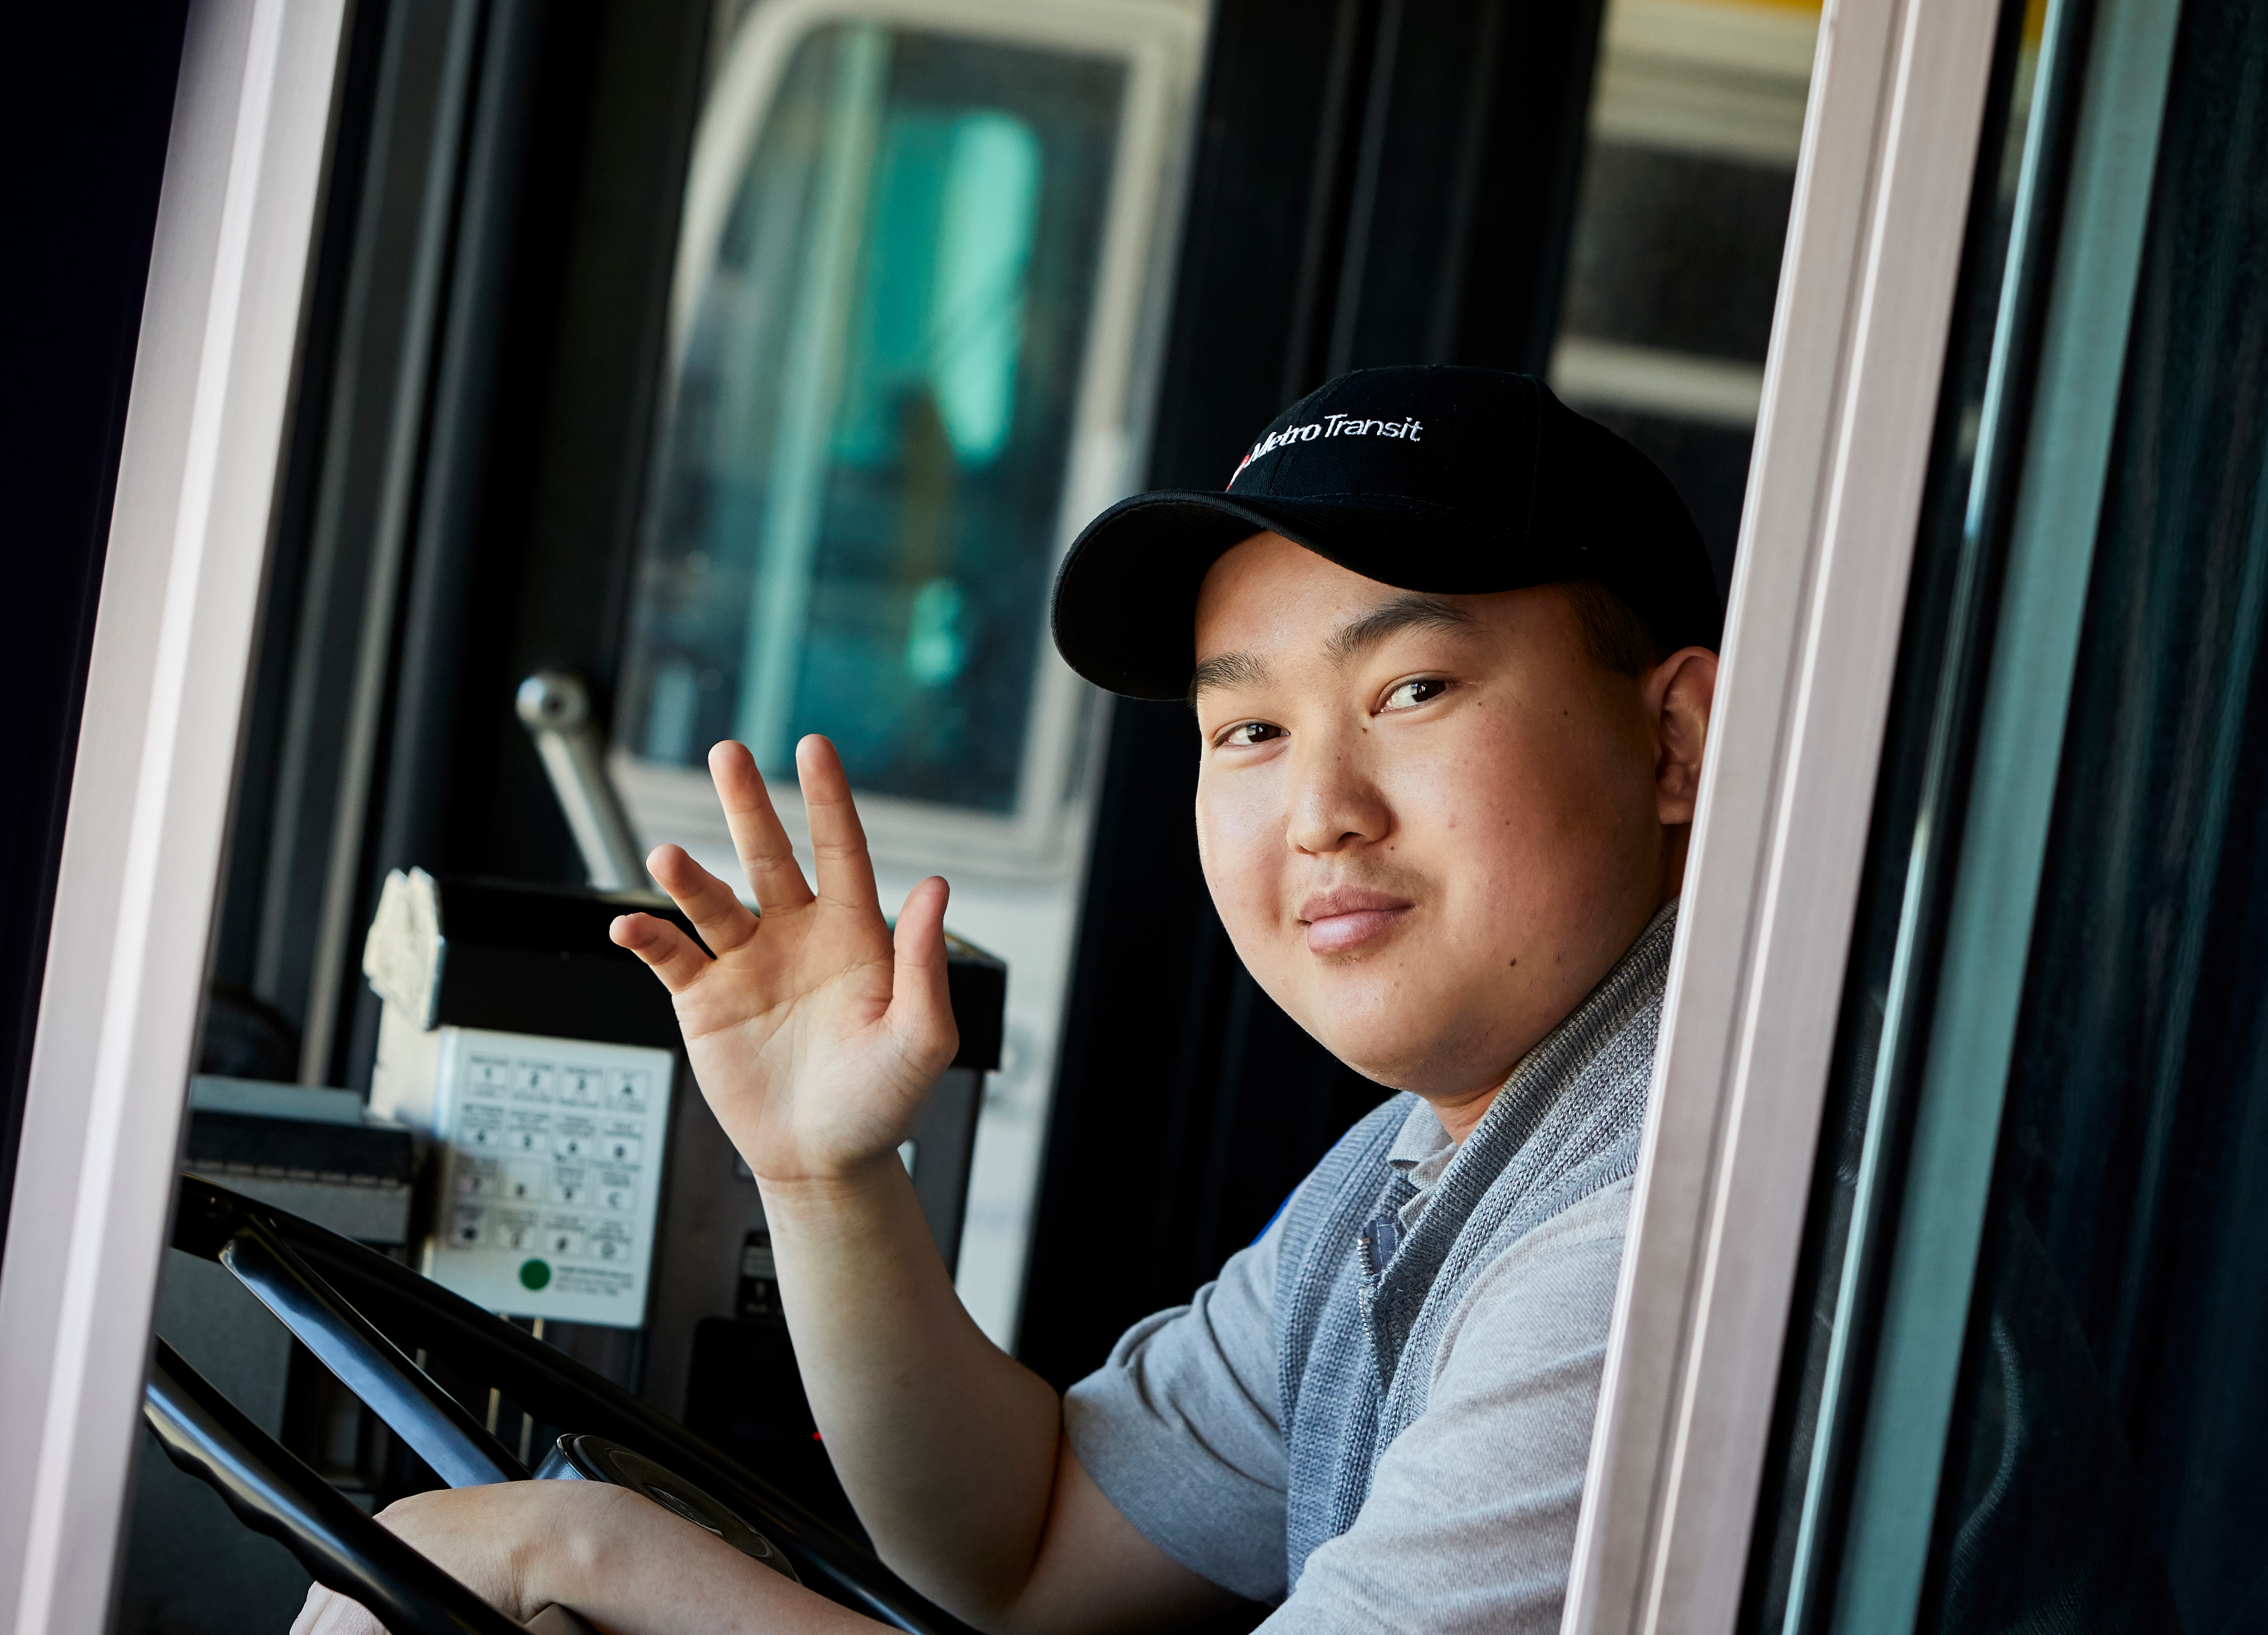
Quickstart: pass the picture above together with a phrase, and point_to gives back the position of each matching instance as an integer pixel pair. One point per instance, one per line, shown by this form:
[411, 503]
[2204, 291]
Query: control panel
[548, 1153]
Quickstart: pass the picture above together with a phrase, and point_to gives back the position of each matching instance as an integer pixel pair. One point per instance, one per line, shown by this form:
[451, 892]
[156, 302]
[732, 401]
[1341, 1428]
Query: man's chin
[1360, 1011]
[1433, 1063]
[1431, 1078]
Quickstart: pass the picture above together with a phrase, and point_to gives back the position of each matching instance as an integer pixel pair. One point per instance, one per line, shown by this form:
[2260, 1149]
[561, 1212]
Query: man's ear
[1679, 692]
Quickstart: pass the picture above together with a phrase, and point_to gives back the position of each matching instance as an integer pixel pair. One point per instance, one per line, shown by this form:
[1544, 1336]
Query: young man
[1448, 645]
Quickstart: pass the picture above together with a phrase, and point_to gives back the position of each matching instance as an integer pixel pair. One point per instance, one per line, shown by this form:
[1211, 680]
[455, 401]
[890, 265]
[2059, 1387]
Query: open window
[1930, 1319]
[807, 396]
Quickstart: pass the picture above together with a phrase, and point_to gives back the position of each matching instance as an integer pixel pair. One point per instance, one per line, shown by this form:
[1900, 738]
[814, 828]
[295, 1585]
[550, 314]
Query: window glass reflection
[2109, 1450]
[1674, 265]
[2096, 1462]
[855, 502]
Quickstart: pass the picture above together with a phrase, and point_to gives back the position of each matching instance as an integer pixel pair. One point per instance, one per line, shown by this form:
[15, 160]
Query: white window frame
[1819, 590]
[1161, 42]
[189, 533]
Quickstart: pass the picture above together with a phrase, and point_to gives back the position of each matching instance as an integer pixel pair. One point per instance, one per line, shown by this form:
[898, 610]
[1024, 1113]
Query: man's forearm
[946, 1445]
[634, 1571]
[610, 1555]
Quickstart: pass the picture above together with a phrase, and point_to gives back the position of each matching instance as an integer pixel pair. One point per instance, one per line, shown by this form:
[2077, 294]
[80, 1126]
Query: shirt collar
[1421, 1150]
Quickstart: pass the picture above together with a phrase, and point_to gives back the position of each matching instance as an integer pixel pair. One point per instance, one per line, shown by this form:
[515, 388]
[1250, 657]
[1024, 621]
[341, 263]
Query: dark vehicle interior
[687, 369]
[492, 477]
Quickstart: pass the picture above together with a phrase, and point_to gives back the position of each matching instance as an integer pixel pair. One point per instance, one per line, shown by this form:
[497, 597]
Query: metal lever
[556, 711]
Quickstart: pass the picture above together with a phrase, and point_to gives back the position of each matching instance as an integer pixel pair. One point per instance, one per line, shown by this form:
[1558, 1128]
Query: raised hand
[814, 1036]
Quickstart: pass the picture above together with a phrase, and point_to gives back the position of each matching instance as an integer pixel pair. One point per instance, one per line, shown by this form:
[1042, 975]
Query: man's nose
[1336, 804]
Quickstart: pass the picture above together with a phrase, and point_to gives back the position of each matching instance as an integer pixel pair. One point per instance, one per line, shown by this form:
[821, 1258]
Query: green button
[534, 1273]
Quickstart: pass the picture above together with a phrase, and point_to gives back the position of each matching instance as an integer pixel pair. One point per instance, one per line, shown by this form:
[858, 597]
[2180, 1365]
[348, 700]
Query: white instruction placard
[549, 1173]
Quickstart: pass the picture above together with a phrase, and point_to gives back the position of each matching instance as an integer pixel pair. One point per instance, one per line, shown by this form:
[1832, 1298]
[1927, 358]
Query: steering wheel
[360, 1314]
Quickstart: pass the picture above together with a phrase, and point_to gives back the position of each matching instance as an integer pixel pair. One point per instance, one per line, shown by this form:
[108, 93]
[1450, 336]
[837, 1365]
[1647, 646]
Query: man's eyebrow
[1236, 669]
[1408, 612]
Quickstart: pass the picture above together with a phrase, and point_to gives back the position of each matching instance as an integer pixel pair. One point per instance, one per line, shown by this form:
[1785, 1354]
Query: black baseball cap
[1431, 478]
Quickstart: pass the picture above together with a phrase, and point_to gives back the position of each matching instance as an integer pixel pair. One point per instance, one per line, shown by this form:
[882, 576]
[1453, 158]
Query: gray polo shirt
[1380, 1414]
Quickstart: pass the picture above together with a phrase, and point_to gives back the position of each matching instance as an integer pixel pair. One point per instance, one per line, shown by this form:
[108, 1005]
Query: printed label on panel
[549, 1159]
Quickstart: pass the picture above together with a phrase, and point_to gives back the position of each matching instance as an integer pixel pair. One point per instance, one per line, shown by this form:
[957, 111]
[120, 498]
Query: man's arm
[815, 1036]
[631, 1568]
[953, 1452]
[612, 1554]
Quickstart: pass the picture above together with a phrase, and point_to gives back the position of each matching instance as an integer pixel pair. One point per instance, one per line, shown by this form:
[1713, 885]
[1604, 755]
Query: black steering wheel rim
[273, 1493]
[360, 1313]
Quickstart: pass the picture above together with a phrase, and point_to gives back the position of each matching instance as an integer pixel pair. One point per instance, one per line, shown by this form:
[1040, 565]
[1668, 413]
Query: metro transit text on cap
[1427, 477]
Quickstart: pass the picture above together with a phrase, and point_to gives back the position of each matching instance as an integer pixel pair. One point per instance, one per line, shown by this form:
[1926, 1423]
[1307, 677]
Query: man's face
[1430, 823]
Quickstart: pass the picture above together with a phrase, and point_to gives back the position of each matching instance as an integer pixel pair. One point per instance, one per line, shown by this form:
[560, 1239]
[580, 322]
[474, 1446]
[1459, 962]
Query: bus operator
[1450, 650]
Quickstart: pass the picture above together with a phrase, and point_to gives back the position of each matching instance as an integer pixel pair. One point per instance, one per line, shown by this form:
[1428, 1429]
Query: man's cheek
[1240, 826]
[1249, 911]
[1242, 857]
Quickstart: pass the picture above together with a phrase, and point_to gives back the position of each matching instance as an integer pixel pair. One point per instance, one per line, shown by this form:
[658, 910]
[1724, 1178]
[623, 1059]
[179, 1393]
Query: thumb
[921, 1006]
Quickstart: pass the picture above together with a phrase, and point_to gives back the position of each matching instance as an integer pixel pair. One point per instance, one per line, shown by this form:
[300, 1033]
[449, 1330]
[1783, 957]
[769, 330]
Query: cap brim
[1124, 614]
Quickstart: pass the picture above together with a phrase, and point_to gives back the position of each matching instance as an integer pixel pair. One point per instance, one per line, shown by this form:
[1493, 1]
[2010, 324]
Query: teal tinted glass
[856, 500]
[2110, 1444]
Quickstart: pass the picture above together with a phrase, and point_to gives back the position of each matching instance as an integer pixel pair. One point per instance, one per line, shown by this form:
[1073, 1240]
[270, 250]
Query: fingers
[762, 845]
[668, 950]
[311, 1611]
[328, 1612]
[921, 1003]
[838, 843]
[722, 919]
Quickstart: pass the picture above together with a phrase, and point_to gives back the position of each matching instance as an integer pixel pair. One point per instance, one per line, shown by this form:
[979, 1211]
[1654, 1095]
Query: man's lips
[1348, 917]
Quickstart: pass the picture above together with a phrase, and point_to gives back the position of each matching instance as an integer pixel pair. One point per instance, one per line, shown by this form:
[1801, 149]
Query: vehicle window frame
[191, 531]
[1850, 390]
[1973, 856]
[1828, 530]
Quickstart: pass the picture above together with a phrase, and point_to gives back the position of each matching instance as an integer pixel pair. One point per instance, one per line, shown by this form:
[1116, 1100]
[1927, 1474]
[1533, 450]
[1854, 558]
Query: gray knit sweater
[1381, 1413]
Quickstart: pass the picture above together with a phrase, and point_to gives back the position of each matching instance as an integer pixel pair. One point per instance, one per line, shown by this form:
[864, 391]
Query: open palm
[813, 1033]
